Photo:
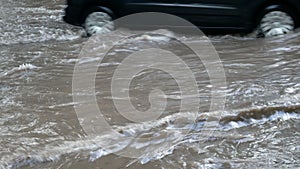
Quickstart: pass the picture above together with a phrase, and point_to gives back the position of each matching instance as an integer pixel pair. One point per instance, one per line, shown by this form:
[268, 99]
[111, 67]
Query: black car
[270, 17]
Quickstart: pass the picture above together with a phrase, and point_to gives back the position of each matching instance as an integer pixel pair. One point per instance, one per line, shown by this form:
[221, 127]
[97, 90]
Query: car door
[211, 13]
[136, 6]
[161, 6]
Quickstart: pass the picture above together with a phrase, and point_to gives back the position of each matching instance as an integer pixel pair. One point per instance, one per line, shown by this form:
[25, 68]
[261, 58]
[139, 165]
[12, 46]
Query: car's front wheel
[98, 23]
[276, 22]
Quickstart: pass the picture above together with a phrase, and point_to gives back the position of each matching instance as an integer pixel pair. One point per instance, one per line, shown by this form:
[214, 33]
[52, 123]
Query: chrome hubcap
[98, 23]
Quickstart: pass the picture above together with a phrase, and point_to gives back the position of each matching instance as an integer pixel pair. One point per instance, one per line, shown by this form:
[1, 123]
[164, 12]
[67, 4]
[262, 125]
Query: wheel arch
[98, 9]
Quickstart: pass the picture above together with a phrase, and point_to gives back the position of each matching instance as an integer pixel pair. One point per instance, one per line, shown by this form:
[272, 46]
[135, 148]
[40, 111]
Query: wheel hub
[276, 23]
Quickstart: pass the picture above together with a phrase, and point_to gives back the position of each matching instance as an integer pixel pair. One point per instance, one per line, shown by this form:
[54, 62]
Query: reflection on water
[39, 127]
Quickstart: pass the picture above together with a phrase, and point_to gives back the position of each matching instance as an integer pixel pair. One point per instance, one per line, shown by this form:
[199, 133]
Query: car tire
[98, 23]
[276, 22]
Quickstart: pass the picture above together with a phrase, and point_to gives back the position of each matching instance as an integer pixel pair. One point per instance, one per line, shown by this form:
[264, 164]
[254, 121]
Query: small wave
[23, 67]
[260, 116]
[167, 129]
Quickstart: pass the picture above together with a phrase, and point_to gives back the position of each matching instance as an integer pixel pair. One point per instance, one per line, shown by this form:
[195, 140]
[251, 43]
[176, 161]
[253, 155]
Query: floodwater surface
[258, 128]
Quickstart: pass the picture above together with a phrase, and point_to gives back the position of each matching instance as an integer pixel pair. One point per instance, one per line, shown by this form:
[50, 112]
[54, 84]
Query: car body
[216, 16]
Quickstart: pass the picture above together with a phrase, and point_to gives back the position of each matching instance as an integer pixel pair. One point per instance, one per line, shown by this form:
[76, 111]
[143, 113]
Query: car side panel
[211, 13]
[136, 6]
[235, 15]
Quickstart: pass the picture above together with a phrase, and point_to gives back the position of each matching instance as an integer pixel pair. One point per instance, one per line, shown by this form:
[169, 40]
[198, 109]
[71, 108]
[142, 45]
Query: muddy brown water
[259, 127]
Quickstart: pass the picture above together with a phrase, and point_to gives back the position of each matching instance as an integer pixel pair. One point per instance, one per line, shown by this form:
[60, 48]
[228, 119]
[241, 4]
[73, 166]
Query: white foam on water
[153, 38]
[115, 143]
[21, 68]
[26, 66]
[160, 35]
[279, 115]
[34, 24]
[109, 64]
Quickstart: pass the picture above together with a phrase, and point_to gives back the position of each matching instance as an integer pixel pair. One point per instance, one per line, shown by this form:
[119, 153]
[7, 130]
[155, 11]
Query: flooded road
[259, 128]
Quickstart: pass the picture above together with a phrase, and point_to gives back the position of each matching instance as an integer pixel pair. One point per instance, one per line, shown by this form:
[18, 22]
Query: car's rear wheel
[98, 23]
[276, 22]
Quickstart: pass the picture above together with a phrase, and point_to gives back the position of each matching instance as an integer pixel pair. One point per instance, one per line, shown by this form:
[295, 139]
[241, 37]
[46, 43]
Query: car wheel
[276, 23]
[98, 23]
